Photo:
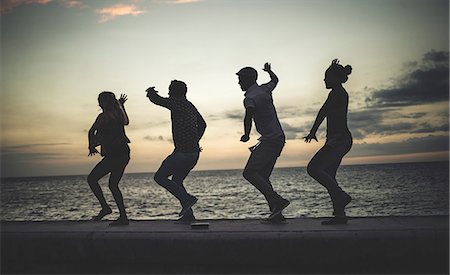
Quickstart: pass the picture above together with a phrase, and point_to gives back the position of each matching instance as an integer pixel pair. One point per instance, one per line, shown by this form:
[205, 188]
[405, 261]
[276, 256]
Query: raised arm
[273, 76]
[249, 113]
[123, 98]
[152, 94]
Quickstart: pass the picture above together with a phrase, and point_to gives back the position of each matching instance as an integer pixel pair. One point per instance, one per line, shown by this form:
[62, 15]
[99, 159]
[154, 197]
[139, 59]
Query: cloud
[73, 3]
[8, 5]
[15, 148]
[429, 143]
[427, 82]
[153, 138]
[236, 114]
[111, 12]
[179, 1]
[295, 132]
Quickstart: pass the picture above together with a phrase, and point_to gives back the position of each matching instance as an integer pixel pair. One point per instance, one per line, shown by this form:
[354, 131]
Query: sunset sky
[58, 55]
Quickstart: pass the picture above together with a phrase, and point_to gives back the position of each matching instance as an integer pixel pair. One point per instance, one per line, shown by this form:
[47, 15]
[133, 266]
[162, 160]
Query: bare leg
[99, 171]
[114, 180]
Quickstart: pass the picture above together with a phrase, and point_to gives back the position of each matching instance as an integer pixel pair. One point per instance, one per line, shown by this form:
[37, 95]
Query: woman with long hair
[323, 166]
[108, 131]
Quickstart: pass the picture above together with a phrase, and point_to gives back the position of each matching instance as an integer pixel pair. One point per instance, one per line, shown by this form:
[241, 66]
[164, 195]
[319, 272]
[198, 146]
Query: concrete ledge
[302, 245]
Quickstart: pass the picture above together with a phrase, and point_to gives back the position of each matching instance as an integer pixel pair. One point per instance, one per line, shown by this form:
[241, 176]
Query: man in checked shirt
[259, 107]
[188, 127]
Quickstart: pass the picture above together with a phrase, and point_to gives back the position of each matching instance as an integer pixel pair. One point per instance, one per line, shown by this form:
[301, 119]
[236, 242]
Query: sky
[58, 55]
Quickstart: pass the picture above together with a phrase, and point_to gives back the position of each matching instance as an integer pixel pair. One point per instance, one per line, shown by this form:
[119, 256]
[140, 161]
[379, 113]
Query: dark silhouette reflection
[259, 107]
[323, 166]
[108, 131]
[188, 127]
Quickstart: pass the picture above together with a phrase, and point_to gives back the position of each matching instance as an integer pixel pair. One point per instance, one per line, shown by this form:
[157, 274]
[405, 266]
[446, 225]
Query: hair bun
[348, 69]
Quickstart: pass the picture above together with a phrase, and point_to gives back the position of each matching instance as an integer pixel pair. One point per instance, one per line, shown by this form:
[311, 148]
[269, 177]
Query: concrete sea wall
[302, 245]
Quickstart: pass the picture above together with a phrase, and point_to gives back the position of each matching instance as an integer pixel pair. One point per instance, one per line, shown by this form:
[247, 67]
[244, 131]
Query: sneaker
[277, 219]
[336, 220]
[278, 207]
[187, 219]
[187, 205]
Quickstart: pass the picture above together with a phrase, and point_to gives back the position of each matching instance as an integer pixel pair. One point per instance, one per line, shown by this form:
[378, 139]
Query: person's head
[177, 89]
[107, 100]
[336, 74]
[247, 77]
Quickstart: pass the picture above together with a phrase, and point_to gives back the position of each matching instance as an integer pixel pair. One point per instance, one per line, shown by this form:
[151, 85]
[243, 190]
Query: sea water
[405, 189]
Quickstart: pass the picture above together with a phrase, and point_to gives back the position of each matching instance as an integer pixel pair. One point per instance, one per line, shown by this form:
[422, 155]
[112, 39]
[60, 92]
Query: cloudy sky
[57, 55]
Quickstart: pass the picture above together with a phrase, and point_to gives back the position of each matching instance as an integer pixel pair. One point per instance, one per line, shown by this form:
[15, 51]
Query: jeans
[178, 165]
[260, 166]
[323, 166]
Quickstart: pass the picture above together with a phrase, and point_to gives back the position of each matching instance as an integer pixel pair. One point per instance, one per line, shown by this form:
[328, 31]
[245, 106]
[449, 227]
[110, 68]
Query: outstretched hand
[151, 90]
[123, 98]
[93, 151]
[310, 137]
[267, 67]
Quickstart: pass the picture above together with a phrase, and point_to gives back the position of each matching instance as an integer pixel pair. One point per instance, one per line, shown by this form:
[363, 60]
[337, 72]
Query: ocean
[404, 189]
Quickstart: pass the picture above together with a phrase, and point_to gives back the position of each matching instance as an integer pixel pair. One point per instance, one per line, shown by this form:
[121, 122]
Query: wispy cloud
[15, 148]
[8, 5]
[179, 1]
[111, 12]
[73, 3]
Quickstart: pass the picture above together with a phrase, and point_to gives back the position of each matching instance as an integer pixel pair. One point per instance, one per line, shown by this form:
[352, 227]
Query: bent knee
[91, 179]
[312, 169]
[158, 178]
[248, 174]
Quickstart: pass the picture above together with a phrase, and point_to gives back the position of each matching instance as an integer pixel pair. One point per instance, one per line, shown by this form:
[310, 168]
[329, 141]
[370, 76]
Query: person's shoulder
[268, 87]
[102, 119]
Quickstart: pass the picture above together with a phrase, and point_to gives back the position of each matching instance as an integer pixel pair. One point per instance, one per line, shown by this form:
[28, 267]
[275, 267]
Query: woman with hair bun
[323, 166]
[108, 131]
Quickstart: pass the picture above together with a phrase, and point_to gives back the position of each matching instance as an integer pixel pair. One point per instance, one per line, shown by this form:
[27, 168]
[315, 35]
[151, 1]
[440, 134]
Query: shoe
[119, 222]
[278, 207]
[340, 204]
[336, 220]
[187, 205]
[187, 219]
[101, 214]
[278, 219]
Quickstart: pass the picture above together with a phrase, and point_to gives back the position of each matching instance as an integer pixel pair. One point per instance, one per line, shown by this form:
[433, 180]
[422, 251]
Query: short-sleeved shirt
[337, 106]
[259, 97]
[185, 126]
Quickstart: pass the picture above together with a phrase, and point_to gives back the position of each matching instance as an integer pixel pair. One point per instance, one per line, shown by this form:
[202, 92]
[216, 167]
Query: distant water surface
[377, 190]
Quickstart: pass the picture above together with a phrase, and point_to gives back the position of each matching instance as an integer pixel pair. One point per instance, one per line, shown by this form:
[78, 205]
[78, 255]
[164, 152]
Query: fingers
[123, 98]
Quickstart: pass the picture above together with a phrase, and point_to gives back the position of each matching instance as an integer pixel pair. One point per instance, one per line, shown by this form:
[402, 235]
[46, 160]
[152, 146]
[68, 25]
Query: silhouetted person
[188, 127]
[109, 132]
[259, 107]
[324, 164]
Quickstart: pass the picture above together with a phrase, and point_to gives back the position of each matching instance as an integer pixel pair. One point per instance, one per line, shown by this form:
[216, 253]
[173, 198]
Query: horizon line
[229, 169]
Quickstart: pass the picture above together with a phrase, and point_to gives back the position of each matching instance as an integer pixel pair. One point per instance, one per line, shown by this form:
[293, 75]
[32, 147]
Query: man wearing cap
[259, 107]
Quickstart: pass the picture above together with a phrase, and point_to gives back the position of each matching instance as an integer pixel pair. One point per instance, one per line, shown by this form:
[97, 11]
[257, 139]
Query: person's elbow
[91, 132]
[275, 80]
